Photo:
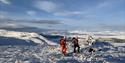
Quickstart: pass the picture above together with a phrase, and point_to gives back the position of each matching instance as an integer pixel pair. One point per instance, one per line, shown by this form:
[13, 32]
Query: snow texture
[105, 51]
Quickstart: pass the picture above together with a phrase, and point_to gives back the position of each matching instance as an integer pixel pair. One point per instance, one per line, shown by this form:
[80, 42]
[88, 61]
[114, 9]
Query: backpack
[75, 41]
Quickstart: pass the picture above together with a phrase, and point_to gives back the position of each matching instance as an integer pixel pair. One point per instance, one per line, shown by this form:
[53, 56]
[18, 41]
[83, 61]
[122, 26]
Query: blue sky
[69, 14]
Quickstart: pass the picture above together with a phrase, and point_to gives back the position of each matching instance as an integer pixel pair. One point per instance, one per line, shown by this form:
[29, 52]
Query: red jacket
[63, 42]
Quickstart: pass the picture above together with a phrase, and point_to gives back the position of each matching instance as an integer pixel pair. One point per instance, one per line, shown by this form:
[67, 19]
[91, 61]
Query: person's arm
[72, 40]
[60, 42]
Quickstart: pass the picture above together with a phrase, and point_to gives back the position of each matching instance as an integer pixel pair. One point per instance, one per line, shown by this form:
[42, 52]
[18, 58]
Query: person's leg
[74, 49]
[61, 49]
[64, 51]
[78, 49]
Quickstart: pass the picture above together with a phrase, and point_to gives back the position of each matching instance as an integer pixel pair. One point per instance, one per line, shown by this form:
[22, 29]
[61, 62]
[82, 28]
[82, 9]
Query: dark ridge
[118, 40]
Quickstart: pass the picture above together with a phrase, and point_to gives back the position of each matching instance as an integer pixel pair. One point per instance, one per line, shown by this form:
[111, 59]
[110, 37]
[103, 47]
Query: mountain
[20, 38]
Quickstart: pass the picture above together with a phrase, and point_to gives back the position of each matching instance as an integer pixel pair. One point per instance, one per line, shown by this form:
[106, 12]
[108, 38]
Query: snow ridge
[36, 38]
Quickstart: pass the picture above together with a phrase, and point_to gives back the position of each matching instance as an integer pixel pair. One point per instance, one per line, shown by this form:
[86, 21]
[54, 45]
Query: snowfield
[107, 50]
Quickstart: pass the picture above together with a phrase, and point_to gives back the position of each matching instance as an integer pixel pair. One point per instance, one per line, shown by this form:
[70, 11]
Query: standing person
[63, 45]
[76, 45]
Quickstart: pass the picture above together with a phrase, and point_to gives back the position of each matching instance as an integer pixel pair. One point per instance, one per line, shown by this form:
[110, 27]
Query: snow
[100, 34]
[26, 36]
[49, 42]
[111, 52]
[118, 44]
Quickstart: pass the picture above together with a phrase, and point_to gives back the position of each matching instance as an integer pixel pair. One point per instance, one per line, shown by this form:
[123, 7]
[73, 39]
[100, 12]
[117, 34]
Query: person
[63, 45]
[76, 45]
[89, 40]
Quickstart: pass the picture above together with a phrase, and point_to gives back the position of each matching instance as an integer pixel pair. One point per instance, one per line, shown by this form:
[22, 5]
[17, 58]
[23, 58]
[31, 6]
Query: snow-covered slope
[34, 37]
[105, 52]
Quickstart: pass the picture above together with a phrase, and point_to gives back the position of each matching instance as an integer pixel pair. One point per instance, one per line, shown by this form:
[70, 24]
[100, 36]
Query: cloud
[112, 27]
[5, 2]
[103, 4]
[46, 22]
[10, 25]
[47, 6]
[69, 13]
[26, 26]
[3, 14]
[28, 29]
[108, 4]
[34, 21]
[31, 13]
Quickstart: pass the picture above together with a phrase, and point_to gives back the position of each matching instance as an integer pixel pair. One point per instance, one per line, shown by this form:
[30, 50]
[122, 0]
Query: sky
[92, 15]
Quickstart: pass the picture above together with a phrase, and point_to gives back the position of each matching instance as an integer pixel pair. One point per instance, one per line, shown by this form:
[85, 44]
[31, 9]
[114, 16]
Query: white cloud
[109, 3]
[3, 14]
[104, 4]
[5, 1]
[47, 6]
[69, 13]
[31, 13]
[8, 24]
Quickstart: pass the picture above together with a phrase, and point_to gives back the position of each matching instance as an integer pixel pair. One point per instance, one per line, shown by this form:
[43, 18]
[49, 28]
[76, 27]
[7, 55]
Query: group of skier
[64, 45]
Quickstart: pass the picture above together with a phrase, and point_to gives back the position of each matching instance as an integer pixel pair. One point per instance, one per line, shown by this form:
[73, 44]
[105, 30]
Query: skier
[63, 45]
[76, 45]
